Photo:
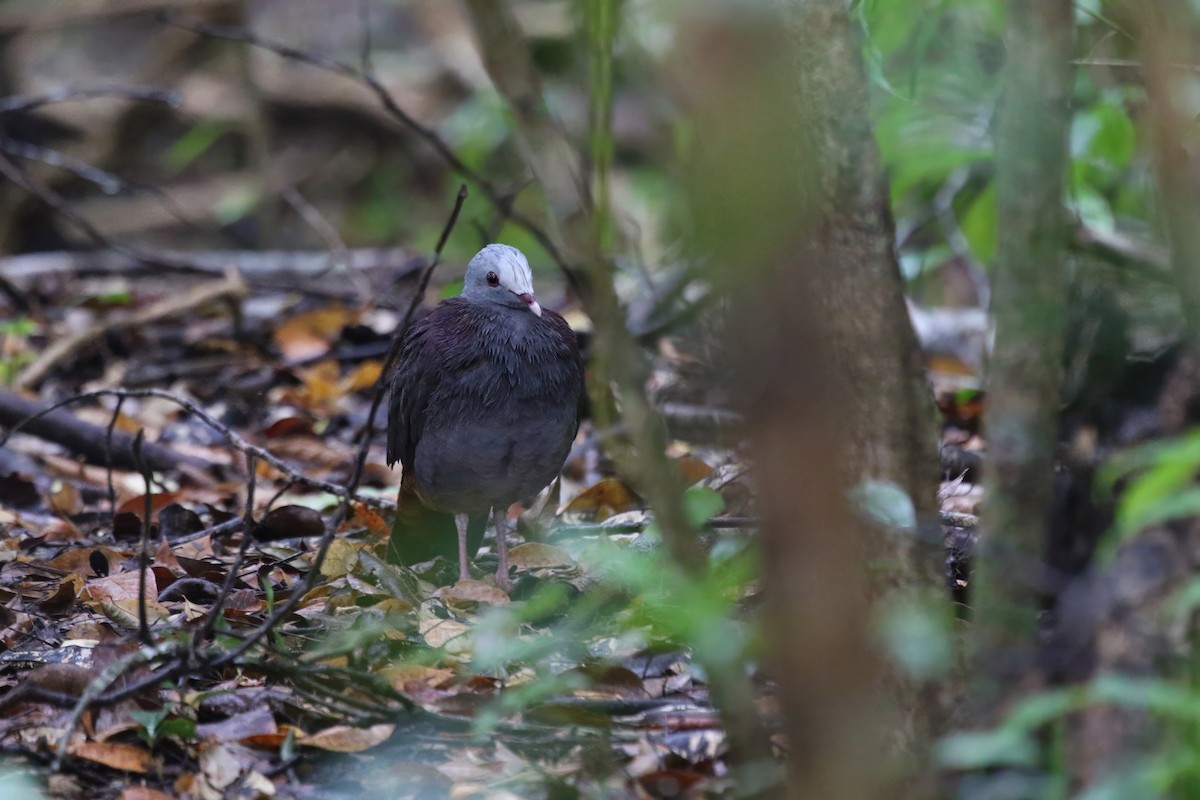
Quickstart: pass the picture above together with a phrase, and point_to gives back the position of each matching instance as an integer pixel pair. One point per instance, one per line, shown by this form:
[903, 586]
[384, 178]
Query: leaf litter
[383, 678]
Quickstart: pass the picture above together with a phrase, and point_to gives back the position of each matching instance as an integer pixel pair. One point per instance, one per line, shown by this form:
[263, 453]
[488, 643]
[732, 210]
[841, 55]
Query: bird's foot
[462, 521]
[500, 520]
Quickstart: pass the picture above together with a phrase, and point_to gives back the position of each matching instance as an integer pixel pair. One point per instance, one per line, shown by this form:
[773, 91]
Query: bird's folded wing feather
[411, 384]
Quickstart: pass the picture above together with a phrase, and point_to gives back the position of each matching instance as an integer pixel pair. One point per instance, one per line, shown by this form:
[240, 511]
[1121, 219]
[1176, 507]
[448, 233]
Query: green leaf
[193, 144]
[979, 225]
[701, 504]
[236, 204]
[1043, 708]
[986, 749]
[1157, 696]
[114, 298]
[886, 503]
[181, 727]
[21, 326]
[1104, 133]
[916, 634]
[150, 721]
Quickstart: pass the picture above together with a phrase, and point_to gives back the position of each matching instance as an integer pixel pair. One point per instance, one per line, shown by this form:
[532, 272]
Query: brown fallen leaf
[289, 426]
[125, 757]
[121, 586]
[365, 516]
[63, 596]
[537, 555]
[219, 768]
[347, 739]
[78, 560]
[137, 505]
[693, 469]
[65, 499]
[473, 591]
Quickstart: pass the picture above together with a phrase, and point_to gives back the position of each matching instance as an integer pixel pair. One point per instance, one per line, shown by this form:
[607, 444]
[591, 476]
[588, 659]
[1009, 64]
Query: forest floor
[240, 668]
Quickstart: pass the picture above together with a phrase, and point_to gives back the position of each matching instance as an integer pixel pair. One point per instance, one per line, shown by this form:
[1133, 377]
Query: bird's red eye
[493, 279]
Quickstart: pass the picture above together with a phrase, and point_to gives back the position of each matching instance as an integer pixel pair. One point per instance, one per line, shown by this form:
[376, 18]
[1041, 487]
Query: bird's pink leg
[500, 521]
[461, 521]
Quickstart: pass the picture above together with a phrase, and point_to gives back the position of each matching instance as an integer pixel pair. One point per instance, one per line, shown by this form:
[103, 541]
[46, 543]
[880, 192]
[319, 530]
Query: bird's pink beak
[532, 302]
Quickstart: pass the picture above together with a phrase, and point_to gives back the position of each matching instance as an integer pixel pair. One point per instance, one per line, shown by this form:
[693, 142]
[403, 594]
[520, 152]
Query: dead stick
[85, 439]
[144, 543]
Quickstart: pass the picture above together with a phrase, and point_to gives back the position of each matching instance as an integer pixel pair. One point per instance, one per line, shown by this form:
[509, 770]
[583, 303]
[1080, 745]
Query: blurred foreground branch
[1025, 378]
[790, 203]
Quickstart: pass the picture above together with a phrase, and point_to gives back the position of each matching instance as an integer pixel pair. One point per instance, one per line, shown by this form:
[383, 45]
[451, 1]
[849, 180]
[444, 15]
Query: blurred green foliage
[637, 599]
[936, 91]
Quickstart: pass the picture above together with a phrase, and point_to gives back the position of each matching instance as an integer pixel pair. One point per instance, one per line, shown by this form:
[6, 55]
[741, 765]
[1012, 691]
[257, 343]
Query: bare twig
[1152, 259]
[231, 576]
[82, 438]
[283, 268]
[339, 254]
[57, 203]
[106, 181]
[1128, 63]
[364, 19]
[158, 259]
[15, 296]
[146, 93]
[108, 465]
[144, 542]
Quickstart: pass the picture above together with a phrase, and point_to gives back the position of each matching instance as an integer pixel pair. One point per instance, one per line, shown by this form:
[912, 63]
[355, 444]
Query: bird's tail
[421, 534]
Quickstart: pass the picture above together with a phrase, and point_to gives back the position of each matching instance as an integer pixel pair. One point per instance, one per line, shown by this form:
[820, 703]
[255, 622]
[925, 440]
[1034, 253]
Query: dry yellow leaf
[438, 632]
[365, 377]
[341, 558]
[310, 334]
[604, 499]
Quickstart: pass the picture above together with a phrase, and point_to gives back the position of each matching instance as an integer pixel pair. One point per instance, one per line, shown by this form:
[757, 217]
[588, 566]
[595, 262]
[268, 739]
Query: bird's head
[500, 274]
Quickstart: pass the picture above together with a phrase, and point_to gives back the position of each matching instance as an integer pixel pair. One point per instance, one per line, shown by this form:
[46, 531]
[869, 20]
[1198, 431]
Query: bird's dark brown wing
[411, 382]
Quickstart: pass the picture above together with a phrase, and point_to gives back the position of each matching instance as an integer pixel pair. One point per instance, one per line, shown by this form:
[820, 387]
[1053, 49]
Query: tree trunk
[791, 205]
[1029, 302]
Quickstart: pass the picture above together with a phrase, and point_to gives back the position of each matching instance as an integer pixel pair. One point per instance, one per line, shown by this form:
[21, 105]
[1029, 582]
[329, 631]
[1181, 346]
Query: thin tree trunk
[1029, 302]
[1168, 31]
[791, 205]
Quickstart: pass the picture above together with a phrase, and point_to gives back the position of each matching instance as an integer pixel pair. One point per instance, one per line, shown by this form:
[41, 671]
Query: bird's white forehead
[509, 264]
